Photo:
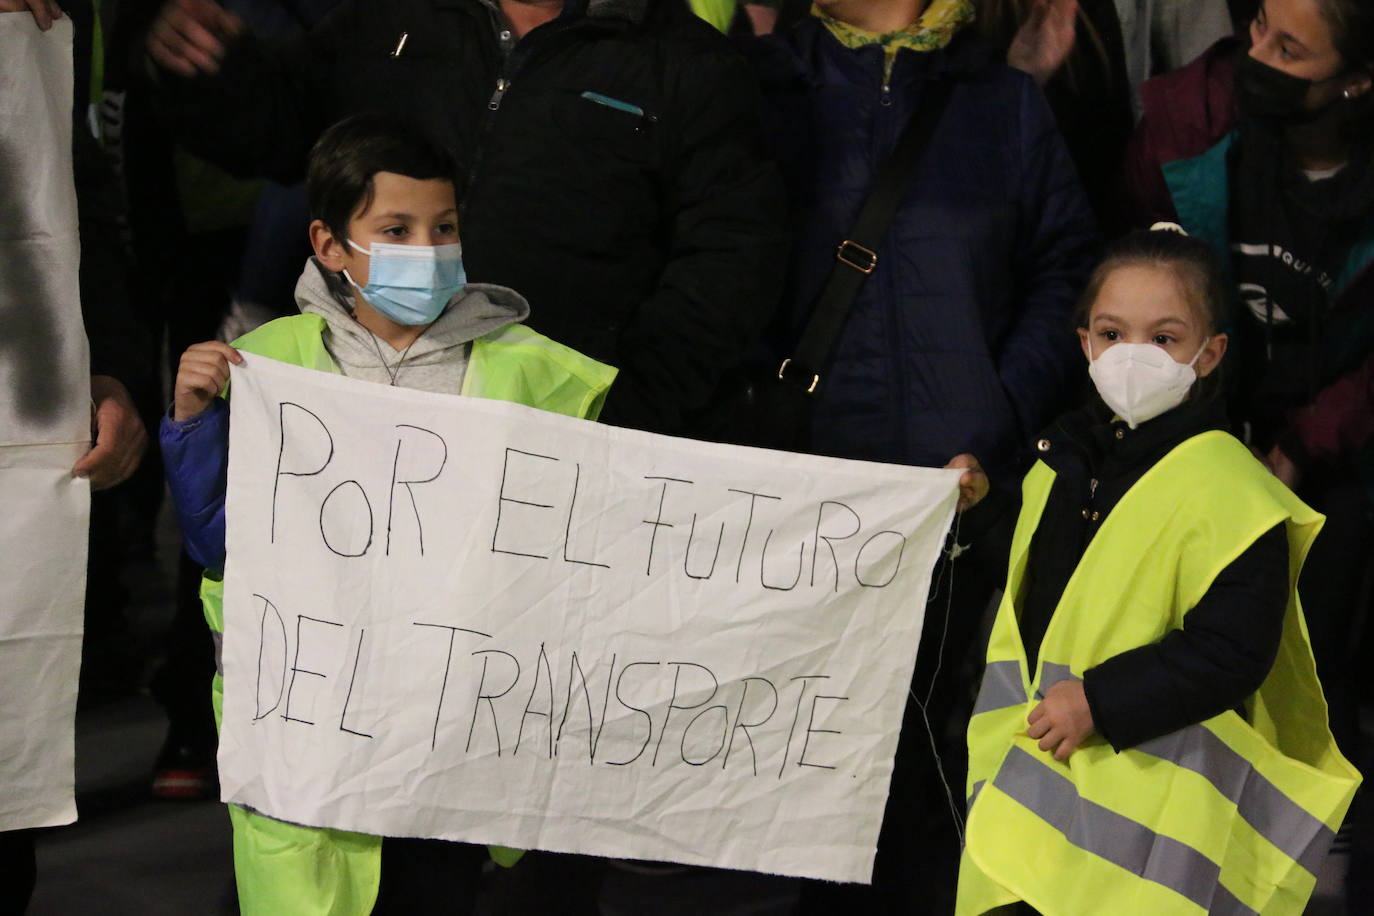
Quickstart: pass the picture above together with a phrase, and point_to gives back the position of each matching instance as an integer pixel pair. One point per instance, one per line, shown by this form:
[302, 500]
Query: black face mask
[1270, 94]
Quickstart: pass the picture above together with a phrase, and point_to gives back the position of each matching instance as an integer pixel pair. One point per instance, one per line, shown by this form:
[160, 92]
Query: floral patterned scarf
[932, 30]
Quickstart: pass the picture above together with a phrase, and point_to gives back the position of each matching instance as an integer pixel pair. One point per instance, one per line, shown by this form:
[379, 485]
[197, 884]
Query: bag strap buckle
[782, 376]
[862, 259]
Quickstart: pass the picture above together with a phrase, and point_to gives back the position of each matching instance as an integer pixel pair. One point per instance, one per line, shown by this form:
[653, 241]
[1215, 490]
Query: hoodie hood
[436, 361]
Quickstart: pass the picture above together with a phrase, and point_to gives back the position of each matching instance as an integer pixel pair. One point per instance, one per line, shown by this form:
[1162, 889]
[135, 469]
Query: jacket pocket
[606, 125]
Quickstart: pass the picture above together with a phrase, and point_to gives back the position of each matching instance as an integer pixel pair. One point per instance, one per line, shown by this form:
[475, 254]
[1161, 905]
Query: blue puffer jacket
[195, 457]
[962, 340]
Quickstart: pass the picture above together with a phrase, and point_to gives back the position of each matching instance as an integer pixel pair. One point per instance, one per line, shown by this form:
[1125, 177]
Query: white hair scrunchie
[1168, 227]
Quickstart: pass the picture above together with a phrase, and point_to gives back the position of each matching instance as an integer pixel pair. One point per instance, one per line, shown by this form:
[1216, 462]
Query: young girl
[1150, 736]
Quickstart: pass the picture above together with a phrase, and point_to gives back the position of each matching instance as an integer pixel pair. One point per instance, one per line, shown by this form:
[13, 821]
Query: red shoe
[183, 774]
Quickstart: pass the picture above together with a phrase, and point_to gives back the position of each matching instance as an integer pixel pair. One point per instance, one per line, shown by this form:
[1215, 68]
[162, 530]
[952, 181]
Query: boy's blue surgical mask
[411, 284]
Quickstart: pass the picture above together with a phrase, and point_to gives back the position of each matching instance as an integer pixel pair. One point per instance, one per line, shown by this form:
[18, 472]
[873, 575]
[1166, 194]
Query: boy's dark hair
[1193, 263]
[338, 182]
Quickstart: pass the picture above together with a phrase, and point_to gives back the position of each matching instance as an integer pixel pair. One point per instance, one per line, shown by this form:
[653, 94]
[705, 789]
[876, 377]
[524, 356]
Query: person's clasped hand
[1062, 721]
[45, 12]
[120, 438]
[190, 37]
[1282, 467]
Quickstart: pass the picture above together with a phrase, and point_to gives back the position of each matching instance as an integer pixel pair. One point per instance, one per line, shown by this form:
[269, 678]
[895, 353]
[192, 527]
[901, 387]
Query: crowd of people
[1110, 259]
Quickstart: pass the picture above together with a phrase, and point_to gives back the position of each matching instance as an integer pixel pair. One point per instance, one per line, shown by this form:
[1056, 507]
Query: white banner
[45, 425]
[456, 618]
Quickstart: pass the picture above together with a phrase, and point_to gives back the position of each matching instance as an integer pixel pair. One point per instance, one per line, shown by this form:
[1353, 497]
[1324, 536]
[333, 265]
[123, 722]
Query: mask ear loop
[349, 278]
[1193, 361]
[1197, 379]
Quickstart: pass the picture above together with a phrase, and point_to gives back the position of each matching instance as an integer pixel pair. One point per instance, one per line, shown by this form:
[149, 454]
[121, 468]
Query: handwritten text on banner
[466, 619]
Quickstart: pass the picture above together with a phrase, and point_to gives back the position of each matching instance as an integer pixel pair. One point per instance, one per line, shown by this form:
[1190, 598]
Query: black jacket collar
[1091, 433]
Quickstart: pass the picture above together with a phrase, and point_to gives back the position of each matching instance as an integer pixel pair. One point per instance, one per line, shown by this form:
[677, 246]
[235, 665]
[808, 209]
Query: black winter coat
[646, 232]
[1228, 641]
[962, 339]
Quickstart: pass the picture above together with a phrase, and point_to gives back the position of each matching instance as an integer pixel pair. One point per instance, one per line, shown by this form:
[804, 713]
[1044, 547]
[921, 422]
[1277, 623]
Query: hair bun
[1168, 227]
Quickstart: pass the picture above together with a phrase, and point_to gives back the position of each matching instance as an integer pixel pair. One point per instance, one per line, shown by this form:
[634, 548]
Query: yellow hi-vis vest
[1226, 816]
[284, 869]
[720, 13]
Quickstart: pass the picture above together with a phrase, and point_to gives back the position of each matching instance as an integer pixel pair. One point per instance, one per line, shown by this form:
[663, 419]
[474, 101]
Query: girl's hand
[1063, 720]
[973, 485]
[201, 376]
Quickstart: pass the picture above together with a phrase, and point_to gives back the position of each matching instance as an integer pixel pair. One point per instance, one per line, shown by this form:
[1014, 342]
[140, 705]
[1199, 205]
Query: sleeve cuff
[212, 415]
[1102, 686]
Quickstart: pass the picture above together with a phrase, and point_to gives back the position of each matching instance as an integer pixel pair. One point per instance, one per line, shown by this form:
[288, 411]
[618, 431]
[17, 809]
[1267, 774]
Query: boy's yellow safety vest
[1227, 816]
[720, 13]
[287, 870]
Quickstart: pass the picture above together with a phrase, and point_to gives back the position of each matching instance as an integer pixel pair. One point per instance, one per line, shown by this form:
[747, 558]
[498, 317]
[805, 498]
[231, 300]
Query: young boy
[384, 299]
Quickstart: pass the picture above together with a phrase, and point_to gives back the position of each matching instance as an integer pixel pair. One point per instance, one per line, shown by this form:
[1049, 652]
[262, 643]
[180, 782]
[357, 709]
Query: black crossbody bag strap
[857, 257]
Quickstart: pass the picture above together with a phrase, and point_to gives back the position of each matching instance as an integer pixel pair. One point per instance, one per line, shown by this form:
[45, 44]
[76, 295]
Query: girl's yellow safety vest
[1229, 816]
[283, 869]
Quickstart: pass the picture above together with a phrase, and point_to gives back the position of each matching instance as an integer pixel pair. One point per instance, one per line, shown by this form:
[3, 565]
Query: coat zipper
[494, 103]
[511, 66]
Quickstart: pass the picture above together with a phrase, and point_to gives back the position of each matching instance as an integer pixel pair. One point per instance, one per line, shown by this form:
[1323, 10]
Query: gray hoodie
[436, 361]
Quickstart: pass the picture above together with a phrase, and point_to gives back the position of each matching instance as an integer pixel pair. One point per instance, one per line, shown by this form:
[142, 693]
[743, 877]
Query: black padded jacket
[615, 176]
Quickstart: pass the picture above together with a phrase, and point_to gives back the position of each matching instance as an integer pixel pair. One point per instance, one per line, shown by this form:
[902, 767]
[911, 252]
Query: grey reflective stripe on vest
[1262, 805]
[977, 789]
[218, 637]
[1001, 687]
[1118, 839]
[1051, 674]
[1273, 815]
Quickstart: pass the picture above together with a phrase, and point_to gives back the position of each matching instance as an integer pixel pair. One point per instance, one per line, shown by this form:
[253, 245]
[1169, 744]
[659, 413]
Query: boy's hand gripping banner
[448, 617]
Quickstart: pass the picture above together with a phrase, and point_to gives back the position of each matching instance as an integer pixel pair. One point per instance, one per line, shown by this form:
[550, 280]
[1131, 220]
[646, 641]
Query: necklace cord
[392, 371]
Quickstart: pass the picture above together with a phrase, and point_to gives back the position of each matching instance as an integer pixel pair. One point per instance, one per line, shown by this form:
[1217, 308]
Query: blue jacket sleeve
[195, 457]
[1057, 245]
